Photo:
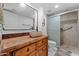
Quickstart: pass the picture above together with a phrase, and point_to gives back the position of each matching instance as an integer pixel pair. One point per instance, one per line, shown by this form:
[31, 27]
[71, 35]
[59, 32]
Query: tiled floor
[74, 51]
[64, 51]
[52, 51]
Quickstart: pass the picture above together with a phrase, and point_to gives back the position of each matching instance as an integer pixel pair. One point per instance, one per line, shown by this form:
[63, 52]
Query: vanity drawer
[39, 43]
[45, 41]
[44, 50]
[32, 54]
[39, 52]
[25, 51]
[31, 48]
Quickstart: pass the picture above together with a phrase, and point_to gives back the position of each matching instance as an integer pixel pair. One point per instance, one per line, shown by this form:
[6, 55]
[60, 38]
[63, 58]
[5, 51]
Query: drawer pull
[27, 49]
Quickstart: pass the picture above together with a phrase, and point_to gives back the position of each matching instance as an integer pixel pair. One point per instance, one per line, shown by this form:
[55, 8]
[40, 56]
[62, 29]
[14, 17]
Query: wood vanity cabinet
[25, 50]
[38, 48]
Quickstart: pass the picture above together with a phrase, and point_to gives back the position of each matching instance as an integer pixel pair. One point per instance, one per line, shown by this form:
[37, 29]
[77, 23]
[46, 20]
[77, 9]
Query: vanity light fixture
[22, 5]
[56, 6]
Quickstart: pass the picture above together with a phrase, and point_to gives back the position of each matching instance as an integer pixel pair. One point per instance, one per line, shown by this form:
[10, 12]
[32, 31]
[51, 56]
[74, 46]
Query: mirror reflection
[18, 16]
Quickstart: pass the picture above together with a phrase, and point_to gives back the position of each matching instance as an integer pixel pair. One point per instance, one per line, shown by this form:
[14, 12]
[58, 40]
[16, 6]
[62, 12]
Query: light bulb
[56, 6]
[22, 5]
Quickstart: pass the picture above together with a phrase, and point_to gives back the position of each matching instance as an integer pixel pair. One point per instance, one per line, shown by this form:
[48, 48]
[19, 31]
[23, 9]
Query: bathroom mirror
[18, 16]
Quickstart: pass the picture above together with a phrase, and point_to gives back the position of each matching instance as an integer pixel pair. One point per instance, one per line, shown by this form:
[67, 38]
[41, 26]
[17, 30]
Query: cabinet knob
[27, 49]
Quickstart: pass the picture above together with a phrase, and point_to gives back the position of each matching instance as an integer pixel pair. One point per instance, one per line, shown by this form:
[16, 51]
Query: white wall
[45, 27]
[41, 16]
[40, 19]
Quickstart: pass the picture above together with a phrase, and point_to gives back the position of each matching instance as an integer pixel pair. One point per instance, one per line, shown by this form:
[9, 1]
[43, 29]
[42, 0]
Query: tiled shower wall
[70, 36]
[78, 31]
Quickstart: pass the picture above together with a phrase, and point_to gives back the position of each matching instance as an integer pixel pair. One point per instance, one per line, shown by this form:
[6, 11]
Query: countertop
[18, 42]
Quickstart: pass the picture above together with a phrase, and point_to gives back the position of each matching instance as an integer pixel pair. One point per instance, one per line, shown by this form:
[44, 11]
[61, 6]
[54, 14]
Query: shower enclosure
[69, 29]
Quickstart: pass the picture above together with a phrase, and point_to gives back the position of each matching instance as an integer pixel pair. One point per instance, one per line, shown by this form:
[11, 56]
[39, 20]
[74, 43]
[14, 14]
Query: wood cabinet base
[38, 48]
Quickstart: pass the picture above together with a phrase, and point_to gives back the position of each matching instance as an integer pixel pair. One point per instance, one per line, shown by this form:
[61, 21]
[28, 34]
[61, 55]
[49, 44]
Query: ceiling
[50, 10]
[18, 9]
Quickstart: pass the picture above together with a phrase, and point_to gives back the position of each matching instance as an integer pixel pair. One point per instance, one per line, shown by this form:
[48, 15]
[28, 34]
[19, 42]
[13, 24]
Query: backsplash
[12, 35]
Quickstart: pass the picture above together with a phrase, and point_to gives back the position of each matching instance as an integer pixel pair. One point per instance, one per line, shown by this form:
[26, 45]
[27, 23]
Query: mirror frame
[37, 15]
